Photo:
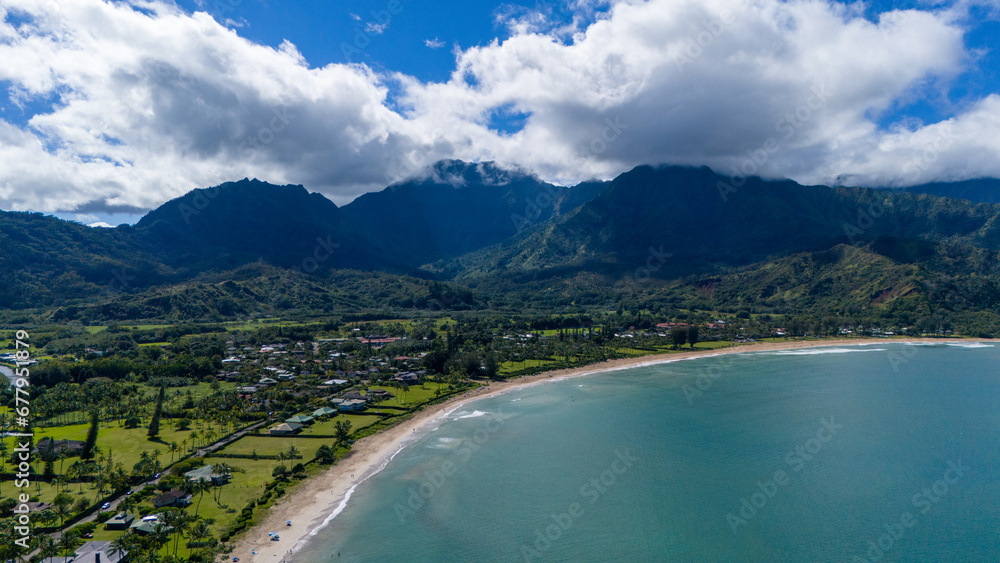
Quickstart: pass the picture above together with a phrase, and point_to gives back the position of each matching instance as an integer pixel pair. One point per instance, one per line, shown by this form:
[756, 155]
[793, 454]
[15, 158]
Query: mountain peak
[459, 174]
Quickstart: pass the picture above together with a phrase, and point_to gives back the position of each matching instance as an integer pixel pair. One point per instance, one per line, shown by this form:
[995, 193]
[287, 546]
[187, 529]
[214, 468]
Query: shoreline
[321, 498]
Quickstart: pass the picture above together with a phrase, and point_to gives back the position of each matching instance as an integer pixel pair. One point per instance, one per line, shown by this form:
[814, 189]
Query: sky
[109, 109]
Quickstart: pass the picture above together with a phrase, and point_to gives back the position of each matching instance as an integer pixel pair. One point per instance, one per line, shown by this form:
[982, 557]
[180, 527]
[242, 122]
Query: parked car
[106, 506]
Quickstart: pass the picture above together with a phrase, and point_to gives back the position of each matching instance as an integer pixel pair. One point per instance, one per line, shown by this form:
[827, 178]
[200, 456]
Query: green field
[247, 445]
[327, 428]
[415, 395]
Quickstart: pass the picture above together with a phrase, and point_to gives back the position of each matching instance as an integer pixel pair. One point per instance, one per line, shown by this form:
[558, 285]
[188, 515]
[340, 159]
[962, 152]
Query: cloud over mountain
[126, 105]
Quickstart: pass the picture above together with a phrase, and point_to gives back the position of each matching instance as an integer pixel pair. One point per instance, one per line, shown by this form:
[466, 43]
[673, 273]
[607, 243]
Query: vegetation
[198, 350]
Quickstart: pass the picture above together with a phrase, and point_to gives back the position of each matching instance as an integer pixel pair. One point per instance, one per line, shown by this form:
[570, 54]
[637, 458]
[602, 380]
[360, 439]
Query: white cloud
[376, 28]
[151, 103]
[434, 43]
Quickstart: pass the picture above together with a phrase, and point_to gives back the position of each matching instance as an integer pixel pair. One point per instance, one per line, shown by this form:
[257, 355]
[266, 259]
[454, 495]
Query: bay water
[850, 453]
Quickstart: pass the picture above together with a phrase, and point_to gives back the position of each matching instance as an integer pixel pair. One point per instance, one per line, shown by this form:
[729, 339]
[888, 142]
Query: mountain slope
[649, 212]
[460, 208]
[241, 222]
[982, 190]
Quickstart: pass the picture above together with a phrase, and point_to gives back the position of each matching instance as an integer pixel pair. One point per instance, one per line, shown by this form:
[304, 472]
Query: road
[200, 453]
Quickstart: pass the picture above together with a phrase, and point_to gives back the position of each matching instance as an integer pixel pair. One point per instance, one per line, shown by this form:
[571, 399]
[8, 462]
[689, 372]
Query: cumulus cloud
[150, 102]
[434, 43]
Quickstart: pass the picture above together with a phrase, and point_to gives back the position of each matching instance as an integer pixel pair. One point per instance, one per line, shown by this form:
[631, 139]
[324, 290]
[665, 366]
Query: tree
[692, 335]
[200, 486]
[324, 455]
[68, 542]
[154, 423]
[222, 469]
[200, 532]
[47, 548]
[88, 445]
[678, 335]
[490, 366]
[178, 521]
[121, 545]
[63, 511]
[472, 364]
[342, 429]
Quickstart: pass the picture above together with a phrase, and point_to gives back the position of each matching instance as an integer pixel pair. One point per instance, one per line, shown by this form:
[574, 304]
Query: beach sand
[310, 506]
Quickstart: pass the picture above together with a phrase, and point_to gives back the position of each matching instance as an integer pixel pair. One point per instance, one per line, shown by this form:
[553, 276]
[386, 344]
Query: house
[379, 341]
[324, 411]
[149, 524]
[285, 429]
[99, 552]
[68, 448]
[353, 405]
[301, 419]
[120, 521]
[408, 378]
[335, 382]
[174, 497]
[207, 472]
[354, 395]
[267, 381]
[379, 394]
[246, 390]
[39, 506]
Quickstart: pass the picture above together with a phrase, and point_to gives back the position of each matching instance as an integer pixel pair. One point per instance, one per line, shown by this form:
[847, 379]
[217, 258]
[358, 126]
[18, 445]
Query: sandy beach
[310, 507]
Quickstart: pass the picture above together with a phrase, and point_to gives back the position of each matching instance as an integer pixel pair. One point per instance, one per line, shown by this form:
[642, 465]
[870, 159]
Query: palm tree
[173, 449]
[68, 542]
[76, 470]
[292, 451]
[222, 469]
[122, 544]
[47, 548]
[62, 459]
[126, 504]
[200, 532]
[179, 521]
[63, 511]
[201, 485]
[160, 536]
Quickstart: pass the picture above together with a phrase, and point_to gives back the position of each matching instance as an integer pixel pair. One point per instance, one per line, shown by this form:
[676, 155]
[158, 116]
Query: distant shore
[313, 506]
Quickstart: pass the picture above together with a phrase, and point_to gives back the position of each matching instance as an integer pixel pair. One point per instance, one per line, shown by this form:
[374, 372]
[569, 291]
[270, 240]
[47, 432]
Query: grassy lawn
[198, 391]
[327, 428]
[247, 445]
[46, 492]
[415, 395]
[125, 444]
[247, 484]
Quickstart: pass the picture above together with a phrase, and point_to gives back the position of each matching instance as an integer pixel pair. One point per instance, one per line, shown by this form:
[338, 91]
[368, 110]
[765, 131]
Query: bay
[885, 452]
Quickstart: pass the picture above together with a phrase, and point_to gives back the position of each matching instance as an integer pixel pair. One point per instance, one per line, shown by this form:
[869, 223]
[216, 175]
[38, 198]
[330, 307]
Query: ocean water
[867, 453]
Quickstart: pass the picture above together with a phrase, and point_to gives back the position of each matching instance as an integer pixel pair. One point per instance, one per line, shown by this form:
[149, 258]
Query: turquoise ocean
[850, 453]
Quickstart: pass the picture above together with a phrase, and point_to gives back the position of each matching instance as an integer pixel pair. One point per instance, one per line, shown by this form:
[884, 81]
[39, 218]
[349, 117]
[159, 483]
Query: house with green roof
[150, 524]
[302, 419]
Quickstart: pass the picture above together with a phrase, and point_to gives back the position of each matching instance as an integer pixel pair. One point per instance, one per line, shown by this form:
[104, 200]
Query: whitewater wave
[969, 345]
[817, 351]
[467, 414]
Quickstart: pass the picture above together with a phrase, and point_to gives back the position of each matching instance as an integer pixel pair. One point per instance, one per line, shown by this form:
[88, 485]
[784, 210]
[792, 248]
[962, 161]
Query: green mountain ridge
[476, 236]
